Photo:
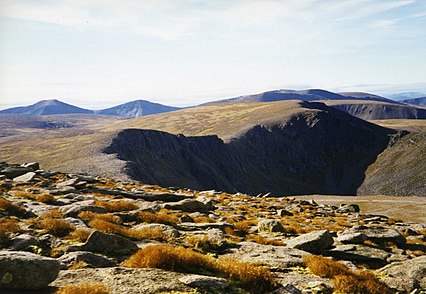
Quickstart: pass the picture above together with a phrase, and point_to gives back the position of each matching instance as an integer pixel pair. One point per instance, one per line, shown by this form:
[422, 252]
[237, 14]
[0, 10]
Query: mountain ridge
[55, 107]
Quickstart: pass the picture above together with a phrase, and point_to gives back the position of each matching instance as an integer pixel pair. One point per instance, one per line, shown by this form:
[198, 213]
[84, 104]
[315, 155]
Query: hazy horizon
[97, 54]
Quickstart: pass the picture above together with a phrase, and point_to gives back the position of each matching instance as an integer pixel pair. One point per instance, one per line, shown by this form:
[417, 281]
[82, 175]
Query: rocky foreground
[70, 233]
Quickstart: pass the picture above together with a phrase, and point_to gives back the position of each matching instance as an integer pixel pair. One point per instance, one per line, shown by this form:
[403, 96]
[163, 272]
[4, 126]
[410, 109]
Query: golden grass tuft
[117, 206]
[254, 278]
[80, 235]
[325, 267]
[52, 223]
[11, 208]
[139, 234]
[265, 241]
[8, 227]
[344, 279]
[159, 218]
[245, 225]
[107, 227]
[109, 217]
[147, 233]
[56, 227]
[203, 219]
[43, 197]
[84, 288]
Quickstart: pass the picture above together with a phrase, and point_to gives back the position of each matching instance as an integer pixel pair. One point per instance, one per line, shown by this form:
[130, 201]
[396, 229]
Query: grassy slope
[400, 169]
[78, 149]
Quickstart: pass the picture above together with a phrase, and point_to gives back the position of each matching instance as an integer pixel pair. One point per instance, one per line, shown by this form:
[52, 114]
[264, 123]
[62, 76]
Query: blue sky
[101, 53]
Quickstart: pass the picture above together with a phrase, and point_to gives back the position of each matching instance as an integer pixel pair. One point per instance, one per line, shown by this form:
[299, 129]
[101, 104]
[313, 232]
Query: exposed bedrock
[320, 150]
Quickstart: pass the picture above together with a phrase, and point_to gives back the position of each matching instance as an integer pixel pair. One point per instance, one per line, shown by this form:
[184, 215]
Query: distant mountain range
[305, 95]
[47, 107]
[420, 101]
[51, 107]
[405, 95]
[137, 108]
[359, 104]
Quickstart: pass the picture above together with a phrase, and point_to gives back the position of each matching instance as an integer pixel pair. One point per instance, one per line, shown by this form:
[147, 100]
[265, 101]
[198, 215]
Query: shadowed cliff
[320, 150]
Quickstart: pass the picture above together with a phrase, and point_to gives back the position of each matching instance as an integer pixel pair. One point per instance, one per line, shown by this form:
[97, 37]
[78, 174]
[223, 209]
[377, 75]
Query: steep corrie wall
[318, 151]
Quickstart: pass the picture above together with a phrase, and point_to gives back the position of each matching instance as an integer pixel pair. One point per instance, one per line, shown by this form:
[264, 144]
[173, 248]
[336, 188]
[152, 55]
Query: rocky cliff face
[382, 111]
[320, 150]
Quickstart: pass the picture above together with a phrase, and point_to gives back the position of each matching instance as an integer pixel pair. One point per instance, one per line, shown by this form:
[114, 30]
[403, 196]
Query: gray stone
[352, 238]
[24, 270]
[15, 171]
[67, 183]
[63, 190]
[91, 259]
[206, 201]
[109, 244]
[205, 282]
[203, 226]
[284, 212]
[29, 176]
[379, 234]
[32, 165]
[270, 225]
[23, 242]
[348, 208]
[72, 210]
[313, 242]
[360, 254]
[407, 275]
[278, 258]
[188, 205]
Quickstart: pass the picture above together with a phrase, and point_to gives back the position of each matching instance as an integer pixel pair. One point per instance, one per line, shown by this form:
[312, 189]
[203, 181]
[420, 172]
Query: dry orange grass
[84, 288]
[117, 206]
[107, 227]
[203, 219]
[79, 235]
[245, 225]
[52, 223]
[325, 267]
[344, 279]
[139, 234]
[147, 233]
[43, 197]
[56, 227]
[109, 217]
[254, 278]
[11, 208]
[159, 218]
[8, 227]
[265, 241]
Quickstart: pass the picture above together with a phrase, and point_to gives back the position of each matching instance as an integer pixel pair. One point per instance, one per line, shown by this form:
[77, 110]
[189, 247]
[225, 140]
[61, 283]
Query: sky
[100, 53]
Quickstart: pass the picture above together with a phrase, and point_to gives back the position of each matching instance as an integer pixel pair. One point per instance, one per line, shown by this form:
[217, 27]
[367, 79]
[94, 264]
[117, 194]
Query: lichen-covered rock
[188, 205]
[205, 282]
[351, 238]
[407, 275]
[91, 259]
[109, 244]
[348, 208]
[278, 258]
[270, 225]
[360, 254]
[27, 177]
[313, 242]
[24, 270]
[379, 234]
